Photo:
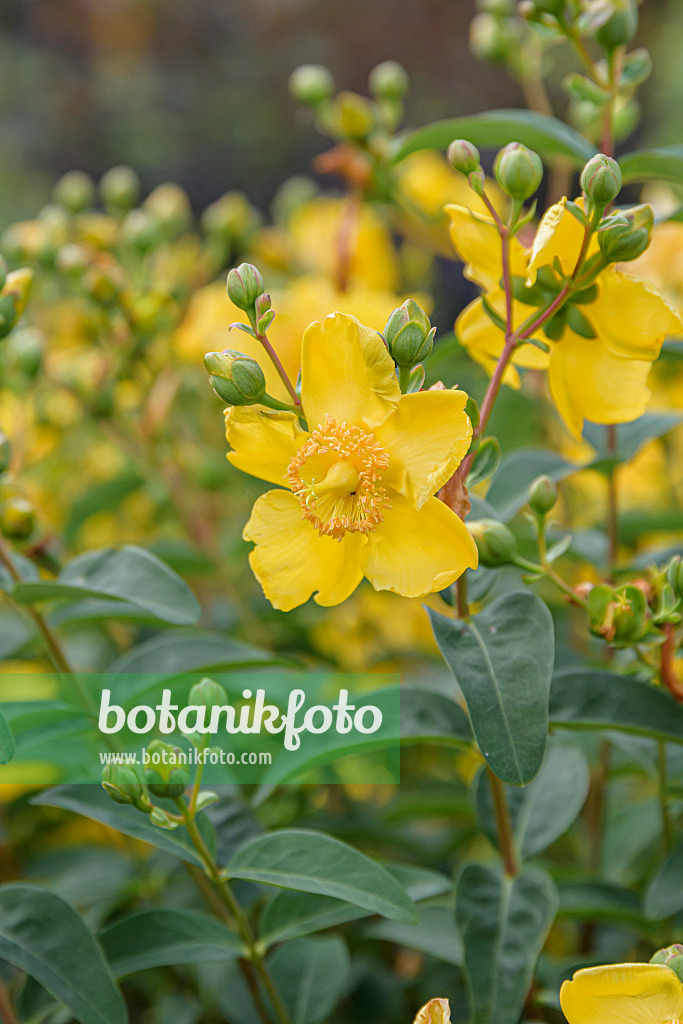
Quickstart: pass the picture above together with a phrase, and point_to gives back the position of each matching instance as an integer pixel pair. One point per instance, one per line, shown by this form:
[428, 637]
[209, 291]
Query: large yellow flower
[602, 347]
[358, 484]
[623, 994]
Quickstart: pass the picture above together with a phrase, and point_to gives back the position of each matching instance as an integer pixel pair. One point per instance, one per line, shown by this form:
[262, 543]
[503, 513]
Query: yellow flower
[358, 482]
[428, 182]
[303, 300]
[601, 352]
[623, 994]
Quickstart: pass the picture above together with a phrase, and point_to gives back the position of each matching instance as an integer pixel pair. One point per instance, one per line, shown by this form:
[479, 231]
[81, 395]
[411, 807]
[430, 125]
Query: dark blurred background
[196, 90]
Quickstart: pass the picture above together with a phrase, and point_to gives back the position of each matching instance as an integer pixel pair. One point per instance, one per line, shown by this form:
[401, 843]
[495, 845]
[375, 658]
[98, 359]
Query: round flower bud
[169, 206]
[167, 776]
[495, 542]
[543, 495]
[518, 170]
[237, 379]
[121, 783]
[620, 27]
[464, 156]
[311, 84]
[245, 284]
[388, 81]
[27, 346]
[208, 693]
[409, 334]
[75, 190]
[120, 188]
[140, 230]
[352, 116]
[72, 260]
[5, 452]
[601, 179]
[671, 957]
[490, 37]
[630, 236]
[17, 518]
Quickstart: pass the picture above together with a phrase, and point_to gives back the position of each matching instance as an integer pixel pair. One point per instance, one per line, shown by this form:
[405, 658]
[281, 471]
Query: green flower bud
[170, 208]
[120, 188]
[5, 452]
[208, 693]
[311, 84]
[139, 230]
[18, 284]
[464, 156]
[490, 37]
[543, 495]
[630, 236]
[245, 284]
[167, 775]
[618, 615]
[518, 170]
[102, 285]
[671, 957]
[502, 8]
[75, 190]
[17, 518]
[235, 378]
[232, 216]
[352, 116]
[388, 81]
[620, 25]
[495, 542]
[27, 346]
[8, 314]
[121, 783]
[601, 179]
[409, 334]
[72, 260]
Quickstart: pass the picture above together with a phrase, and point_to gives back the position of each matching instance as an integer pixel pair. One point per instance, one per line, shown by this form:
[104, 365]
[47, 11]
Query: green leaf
[318, 863]
[292, 914]
[630, 437]
[600, 901]
[158, 938]
[584, 698]
[129, 574]
[502, 659]
[6, 741]
[543, 811]
[193, 651]
[435, 934]
[311, 975]
[509, 490]
[664, 894]
[485, 462]
[93, 802]
[45, 937]
[430, 717]
[503, 923]
[548, 136]
[662, 164]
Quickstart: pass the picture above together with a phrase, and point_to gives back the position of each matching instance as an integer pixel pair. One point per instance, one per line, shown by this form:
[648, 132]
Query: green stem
[544, 568]
[503, 824]
[404, 378]
[254, 955]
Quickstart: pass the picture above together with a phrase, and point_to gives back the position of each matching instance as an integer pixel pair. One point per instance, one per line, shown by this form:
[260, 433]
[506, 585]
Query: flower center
[337, 477]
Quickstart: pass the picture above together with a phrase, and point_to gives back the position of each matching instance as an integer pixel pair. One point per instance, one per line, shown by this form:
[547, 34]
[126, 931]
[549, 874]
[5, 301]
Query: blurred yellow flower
[303, 300]
[360, 481]
[662, 262]
[428, 183]
[601, 353]
[623, 994]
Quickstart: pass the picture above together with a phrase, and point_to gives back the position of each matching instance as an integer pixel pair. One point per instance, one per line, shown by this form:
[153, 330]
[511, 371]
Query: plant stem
[254, 956]
[7, 1015]
[667, 826]
[275, 360]
[503, 824]
[463, 603]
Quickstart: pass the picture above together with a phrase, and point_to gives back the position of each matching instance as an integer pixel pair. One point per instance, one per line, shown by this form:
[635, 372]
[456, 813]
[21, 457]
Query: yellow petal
[347, 373]
[631, 317]
[415, 553]
[588, 382]
[291, 559]
[623, 994]
[436, 1011]
[559, 235]
[426, 438]
[477, 243]
[484, 341]
[263, 443]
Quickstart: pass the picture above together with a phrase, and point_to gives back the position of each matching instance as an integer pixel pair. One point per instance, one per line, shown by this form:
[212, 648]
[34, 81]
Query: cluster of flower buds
[235, 377]
[517, 169]
[166, 775]
[409, 337]
[348, 116]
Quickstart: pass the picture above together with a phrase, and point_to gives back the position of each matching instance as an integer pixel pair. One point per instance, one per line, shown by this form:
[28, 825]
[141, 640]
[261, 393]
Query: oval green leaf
[664, 163]
[159, 938]
[45, 937]
[502, 660]
[319, 863]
